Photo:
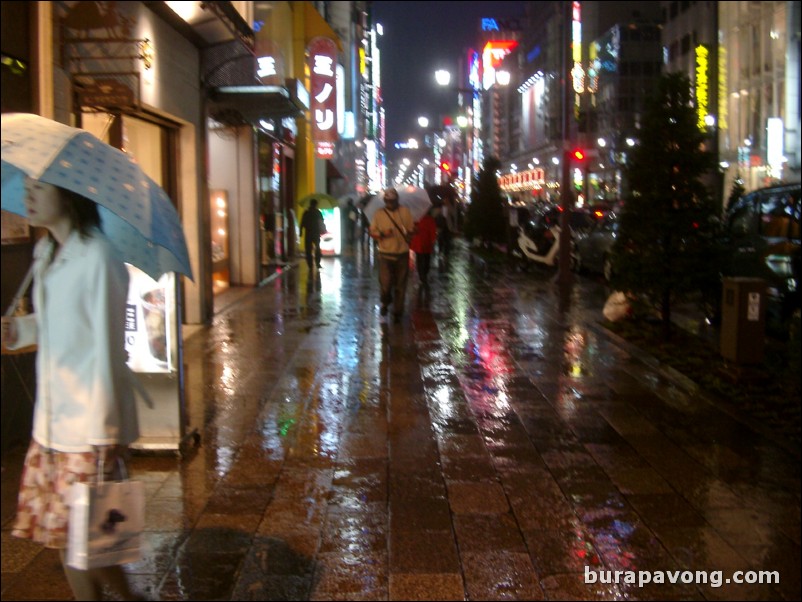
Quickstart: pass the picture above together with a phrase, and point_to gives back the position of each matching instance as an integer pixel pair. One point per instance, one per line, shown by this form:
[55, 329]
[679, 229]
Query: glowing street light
[442, 77]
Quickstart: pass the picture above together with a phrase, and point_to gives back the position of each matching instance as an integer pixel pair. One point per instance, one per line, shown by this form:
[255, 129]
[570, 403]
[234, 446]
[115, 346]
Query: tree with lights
[668, 246]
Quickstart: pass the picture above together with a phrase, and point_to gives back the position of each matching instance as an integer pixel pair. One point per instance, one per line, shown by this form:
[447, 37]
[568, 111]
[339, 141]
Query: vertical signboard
[702, 85]
[323, 101]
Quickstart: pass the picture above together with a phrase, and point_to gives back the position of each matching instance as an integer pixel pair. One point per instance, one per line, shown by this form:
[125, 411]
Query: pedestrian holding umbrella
[413, 198]
[138, 217]
[74, 186]
[392, 228]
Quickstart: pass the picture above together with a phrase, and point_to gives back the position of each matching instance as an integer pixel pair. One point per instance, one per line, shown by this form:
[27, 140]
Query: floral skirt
[43, 504]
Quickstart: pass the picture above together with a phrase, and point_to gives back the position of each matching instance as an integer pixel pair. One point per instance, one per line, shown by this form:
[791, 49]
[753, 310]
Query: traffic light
[445, 166]
[578, 154]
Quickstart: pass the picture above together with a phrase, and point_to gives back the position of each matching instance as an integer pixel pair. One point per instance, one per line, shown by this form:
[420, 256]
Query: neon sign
[577, 72]
[492, 55]
[531, 179]
[323, 101]
[702, 86]
[723, 112]
[508, 24]
[266, 66]
[489, 25]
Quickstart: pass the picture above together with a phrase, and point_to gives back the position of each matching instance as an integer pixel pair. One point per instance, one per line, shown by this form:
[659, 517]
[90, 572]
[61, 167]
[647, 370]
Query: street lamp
[442, 77]
[465, 123]
[430, 148]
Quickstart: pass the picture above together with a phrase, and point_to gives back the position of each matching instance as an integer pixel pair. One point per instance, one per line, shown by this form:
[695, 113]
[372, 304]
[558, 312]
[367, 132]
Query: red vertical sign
[323, 92]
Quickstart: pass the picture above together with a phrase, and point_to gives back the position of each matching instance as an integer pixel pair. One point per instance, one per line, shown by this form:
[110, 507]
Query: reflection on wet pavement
[489, 447]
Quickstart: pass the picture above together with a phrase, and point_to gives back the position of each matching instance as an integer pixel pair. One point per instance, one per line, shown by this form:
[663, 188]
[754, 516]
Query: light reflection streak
[331, 278]
[494, 367]
[444, 401]
[228, 376]
[574, 348]
[224, 459]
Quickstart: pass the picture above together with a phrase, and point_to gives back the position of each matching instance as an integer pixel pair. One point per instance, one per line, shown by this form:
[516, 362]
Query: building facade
[742, 59]
[758, 120]
[216, 102]
[214, 99]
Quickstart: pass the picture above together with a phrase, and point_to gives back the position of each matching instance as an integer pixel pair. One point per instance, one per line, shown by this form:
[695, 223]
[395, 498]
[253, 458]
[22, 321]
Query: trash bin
[743, 320]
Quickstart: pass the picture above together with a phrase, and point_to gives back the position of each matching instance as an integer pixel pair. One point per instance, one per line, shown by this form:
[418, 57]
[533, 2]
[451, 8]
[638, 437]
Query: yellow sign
[702, 86]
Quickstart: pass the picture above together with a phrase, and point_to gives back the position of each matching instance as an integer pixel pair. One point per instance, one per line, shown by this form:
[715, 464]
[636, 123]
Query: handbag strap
[23, 288]
[400, 231]
[101, 474]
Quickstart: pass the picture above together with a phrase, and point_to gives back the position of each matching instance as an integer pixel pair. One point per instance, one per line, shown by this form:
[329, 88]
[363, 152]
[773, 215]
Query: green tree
[484, 218]
[667, 250]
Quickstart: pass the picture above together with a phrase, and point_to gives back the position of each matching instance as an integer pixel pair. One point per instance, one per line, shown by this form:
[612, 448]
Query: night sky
[419, 38]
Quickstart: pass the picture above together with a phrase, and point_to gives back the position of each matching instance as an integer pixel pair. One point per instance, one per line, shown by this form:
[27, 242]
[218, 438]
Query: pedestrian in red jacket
[423, 245]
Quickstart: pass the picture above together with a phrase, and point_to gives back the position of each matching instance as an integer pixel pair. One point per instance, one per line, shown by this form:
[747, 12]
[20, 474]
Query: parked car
[592, 249]
[762, 234]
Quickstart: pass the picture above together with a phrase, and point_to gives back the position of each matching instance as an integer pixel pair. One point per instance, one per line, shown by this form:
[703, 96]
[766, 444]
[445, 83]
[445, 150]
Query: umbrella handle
[23, 288]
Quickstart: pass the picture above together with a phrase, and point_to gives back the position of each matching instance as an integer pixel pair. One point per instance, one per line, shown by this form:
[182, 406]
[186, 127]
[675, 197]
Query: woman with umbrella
[85, 413]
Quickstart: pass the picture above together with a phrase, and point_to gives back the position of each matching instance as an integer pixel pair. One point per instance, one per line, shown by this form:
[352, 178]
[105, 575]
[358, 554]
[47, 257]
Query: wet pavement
[495, 445]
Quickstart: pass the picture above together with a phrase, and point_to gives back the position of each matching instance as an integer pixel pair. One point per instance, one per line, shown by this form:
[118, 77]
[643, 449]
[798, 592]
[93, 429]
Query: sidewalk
[489, 447]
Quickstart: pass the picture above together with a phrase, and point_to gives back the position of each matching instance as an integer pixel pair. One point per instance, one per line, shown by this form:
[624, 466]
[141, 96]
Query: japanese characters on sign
[269, 62]
[323, 101]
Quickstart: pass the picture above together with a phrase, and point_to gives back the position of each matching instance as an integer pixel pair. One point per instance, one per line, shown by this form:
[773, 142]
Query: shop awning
[240, 105]
[206, 23]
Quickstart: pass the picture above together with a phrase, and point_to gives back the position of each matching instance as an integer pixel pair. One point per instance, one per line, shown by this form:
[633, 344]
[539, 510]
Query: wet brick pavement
[489, 447]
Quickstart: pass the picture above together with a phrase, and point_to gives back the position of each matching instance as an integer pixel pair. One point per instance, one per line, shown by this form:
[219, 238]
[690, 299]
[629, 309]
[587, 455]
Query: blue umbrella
[138, 216]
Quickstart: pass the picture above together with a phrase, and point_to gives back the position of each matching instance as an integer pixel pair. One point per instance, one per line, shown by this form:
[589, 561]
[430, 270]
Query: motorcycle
[539, 240]
[538, 246]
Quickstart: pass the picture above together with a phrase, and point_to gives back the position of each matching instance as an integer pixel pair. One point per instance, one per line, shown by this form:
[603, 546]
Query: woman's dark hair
[83, 213]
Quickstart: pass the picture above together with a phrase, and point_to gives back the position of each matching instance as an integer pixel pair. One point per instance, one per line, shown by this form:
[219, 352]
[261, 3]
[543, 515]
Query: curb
[670, 373]
[690, 387]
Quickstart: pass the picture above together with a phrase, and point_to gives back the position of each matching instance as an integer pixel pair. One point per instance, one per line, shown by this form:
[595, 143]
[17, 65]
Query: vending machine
[331, 239]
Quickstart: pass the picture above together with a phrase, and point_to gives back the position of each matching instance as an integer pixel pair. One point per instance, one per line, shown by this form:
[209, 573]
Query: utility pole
[564, 275]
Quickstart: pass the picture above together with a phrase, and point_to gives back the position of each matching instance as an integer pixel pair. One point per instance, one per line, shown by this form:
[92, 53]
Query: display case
[154, 345]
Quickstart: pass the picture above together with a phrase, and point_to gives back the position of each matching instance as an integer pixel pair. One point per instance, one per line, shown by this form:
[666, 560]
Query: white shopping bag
[106, 522]
[617, 307]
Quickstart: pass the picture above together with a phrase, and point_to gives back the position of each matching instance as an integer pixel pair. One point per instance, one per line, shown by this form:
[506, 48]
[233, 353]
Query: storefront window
[218, 212]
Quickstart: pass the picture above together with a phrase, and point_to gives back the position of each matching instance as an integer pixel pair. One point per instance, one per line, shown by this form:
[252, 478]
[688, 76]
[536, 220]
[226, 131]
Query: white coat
[84, 393]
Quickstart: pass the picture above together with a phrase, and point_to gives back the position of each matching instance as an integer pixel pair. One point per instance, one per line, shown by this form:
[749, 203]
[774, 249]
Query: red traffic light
[578, 154]
[445, 166]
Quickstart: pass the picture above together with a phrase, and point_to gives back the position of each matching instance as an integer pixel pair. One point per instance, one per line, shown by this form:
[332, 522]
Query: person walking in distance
[447, 228]
[393, 228]
[351, 218]
[312, 226]
[85, 413]
[422, 245]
